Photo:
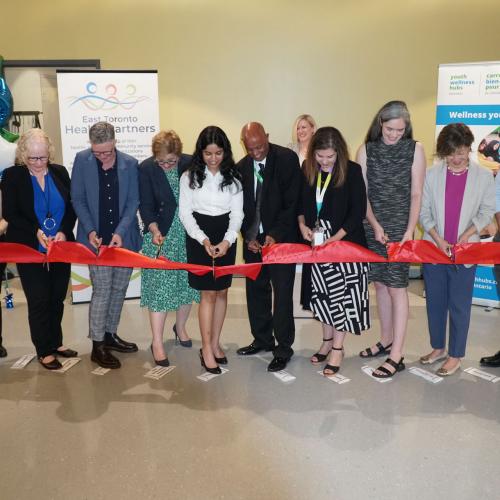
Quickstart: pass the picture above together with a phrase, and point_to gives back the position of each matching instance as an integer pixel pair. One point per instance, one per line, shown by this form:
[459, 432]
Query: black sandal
[381, 351]
[398, 367]
[320, 357]
[331, 368]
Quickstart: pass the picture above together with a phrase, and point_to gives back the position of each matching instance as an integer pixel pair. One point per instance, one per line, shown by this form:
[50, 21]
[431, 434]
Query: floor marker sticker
[425, 374]
[490, 377]
[158, 372]
[337, 378]
[22, 362]
[205, 377]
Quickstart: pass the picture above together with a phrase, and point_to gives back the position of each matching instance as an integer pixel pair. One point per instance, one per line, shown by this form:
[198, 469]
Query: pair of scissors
[159, 250]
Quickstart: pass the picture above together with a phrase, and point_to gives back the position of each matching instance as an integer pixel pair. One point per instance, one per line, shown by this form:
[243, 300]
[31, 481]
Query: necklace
[462, 172]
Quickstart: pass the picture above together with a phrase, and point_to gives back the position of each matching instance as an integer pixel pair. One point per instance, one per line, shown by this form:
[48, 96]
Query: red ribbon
[337, 251]
[415, 251]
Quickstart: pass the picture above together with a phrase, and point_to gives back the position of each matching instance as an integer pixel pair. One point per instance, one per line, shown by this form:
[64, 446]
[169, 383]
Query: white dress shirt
[210, 200]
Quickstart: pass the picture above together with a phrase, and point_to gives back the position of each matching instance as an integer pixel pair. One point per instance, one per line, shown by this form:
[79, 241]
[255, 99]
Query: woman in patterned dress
[333, 207]
[163, 291]
[394, 168]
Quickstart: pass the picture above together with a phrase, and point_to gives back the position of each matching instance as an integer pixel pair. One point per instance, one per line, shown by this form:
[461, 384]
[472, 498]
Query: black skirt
[215, 227]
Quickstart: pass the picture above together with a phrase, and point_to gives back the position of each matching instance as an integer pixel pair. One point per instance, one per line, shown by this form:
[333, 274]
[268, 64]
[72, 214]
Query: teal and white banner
[470, 93]
[126, 99]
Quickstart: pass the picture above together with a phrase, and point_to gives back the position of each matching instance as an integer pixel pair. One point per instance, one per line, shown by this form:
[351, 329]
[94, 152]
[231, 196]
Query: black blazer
[344, 206]
[18, 204]
[157, 200]
[280, 195]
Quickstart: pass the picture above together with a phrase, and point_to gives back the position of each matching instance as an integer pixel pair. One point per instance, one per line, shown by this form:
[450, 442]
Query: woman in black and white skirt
[211, 210]
[333, 208]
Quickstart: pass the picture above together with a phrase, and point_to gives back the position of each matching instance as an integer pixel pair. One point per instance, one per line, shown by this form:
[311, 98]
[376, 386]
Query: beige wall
[228, 62]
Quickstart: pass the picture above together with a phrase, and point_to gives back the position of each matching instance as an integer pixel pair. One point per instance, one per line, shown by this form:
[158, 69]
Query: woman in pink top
[458, 202]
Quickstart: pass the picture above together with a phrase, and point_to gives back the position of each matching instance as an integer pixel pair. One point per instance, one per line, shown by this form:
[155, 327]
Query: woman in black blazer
[163, 291]
[36, 204]
[333, 207]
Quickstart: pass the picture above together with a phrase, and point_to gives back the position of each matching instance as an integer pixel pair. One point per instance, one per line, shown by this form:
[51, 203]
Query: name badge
[318, 236]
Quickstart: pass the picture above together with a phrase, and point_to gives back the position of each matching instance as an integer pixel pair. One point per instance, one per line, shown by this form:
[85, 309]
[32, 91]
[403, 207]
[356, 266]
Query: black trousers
[267, 316]
[45, 291]
[2, 271]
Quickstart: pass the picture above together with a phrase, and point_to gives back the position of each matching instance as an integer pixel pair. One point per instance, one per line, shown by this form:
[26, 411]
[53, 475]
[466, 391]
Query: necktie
[253, 231]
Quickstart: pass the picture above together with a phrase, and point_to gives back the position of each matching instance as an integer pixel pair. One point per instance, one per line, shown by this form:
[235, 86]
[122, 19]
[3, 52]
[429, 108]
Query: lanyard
[320, 193]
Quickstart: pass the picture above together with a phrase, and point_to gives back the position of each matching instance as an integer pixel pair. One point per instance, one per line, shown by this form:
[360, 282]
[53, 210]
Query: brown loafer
[429, 360]
[443, 372]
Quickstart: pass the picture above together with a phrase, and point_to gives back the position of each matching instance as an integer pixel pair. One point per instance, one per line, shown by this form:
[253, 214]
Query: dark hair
[326, 138]
[452, 137]
[213, 135]
[389, 111]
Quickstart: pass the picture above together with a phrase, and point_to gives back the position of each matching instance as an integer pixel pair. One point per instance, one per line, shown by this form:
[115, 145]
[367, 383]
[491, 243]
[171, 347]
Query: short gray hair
[101, 132]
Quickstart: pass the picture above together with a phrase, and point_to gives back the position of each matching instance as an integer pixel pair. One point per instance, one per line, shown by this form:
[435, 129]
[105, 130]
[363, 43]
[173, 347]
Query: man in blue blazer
[105, 196]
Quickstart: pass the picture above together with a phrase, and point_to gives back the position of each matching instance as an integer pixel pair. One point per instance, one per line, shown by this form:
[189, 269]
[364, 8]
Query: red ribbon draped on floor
[415, 251]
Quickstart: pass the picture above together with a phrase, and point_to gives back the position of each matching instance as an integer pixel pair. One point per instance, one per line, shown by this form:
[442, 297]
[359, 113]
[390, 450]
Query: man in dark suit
[105, 196]
[271, 184]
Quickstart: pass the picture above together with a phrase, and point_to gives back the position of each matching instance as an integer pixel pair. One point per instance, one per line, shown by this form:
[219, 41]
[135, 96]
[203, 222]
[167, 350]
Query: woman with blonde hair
[36, 204]
[302, 132]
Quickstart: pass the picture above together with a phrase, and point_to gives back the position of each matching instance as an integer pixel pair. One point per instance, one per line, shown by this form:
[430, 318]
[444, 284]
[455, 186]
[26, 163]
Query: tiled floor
[245, 434]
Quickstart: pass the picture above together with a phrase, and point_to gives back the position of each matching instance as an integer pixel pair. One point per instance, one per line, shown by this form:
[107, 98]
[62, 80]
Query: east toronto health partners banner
[128, 100]
[470, 93]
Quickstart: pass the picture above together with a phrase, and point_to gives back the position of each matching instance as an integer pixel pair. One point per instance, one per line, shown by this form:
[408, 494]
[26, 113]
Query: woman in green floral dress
[163, 291]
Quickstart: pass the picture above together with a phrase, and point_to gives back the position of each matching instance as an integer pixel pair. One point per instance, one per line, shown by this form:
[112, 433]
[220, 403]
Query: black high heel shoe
[159, 362]
[320, 357]
[183, 343]
[215, 371]
[221, 361]
[332, 370]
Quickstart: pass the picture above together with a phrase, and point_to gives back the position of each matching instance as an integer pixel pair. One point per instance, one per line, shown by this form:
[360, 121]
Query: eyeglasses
[103, 154]
[33, 159]
[162, 163]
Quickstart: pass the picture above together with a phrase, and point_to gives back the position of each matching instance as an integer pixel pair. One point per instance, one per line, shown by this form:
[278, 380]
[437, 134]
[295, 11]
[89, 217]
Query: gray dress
[388, 173]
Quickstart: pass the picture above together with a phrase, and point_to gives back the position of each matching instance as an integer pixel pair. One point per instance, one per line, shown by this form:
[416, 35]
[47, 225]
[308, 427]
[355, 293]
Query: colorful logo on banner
[110, 99]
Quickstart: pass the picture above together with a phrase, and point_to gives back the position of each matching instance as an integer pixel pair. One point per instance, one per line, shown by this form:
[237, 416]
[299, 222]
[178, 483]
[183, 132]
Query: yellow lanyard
[320, 193]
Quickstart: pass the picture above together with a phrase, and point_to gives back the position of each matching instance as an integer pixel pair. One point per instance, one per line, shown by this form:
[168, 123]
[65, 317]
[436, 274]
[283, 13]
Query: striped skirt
[340, 294]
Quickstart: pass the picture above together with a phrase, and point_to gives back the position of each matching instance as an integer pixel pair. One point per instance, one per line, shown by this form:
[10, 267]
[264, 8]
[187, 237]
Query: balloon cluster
[6, 103]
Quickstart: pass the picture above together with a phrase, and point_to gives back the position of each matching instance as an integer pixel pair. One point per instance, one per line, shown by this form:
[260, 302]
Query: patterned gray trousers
[109, 286]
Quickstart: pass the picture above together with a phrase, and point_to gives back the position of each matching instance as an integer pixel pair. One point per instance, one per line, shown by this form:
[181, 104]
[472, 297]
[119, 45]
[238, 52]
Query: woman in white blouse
[211, 210]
